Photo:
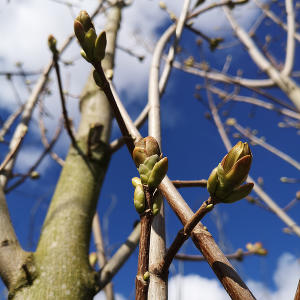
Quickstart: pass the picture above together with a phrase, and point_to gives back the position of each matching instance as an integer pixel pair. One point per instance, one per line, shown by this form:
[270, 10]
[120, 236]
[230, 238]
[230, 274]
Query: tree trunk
[62, 269]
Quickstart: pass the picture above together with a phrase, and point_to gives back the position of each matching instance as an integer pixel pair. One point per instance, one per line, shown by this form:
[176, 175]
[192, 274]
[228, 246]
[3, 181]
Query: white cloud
[101, 296]
[286, 278]
[195, 287]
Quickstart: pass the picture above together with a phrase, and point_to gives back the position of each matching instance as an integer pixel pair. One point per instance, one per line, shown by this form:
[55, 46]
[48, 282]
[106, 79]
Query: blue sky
[189, 140]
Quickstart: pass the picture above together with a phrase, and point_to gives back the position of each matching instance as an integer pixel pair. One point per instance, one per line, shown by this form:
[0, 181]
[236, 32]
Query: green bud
[257, 248]
[157, 201]
[239, 193]
[34, 175]
[144, 170]
[139, 199]
[239, 172]
[225, 180]
[151, 161]
[238, 151]
[144, 148]
[144, 179]
[212, 181]
[135, 181]
[209, 207]
[79, 32]
[83, 54]
[100, 45]
[89, 43]
[93, 258]
[158, 173]
[146, 276]
[85, 20]
[52, 44]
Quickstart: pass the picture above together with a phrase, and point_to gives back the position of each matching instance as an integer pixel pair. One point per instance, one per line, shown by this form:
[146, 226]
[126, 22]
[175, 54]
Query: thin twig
[274, 18]
[267, 146]
[10, 155]
[45, 142]
[297, 295]
[290, 204]
[114, 264]
[142, 282]
[285, 83]
[63, 102]
[182, 236]
[290, 44]
[238, 255]
[38, 161]
[251, 100]
[9, 122]
[101, 257]
[190, 183]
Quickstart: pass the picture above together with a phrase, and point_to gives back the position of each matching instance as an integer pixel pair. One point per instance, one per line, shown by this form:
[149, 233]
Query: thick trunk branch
[16, 266]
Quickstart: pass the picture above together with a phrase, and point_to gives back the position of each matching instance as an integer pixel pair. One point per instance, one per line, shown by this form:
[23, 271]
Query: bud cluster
[152, 168]
[224, 182]
[257, 248]
[93, 46]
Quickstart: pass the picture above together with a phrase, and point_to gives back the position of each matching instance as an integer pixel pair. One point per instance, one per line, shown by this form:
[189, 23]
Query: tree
[59, 267]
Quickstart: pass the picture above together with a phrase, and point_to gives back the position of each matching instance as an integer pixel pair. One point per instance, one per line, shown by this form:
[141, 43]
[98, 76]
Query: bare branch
[158, 285]
[297, 295]
[182, 236]
[119, 258]
[45, 142]
[290, 46]
[220, 77]
[190, 183]
[265, 145]
[63, 102]
[38, 161]
[285, 83]
[101, 257]
[251, 100]
[9, 122]
[275, 19]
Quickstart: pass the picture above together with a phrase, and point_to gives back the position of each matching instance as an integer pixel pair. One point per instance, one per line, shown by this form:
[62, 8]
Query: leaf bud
[224, 182]
[100, 45]
[146, 276]
[85, 20]
[135, 181]
[157, 201]
[158, 173]
[139, 199]
[52, 44]
[34, 175]
[145, 148]
[79, 32]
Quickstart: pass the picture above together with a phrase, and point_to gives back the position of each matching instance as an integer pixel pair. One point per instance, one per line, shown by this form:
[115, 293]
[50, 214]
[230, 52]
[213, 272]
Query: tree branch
[119, 258]
[267, 146]
[12, 257]
[101, 257]
[285, 83]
